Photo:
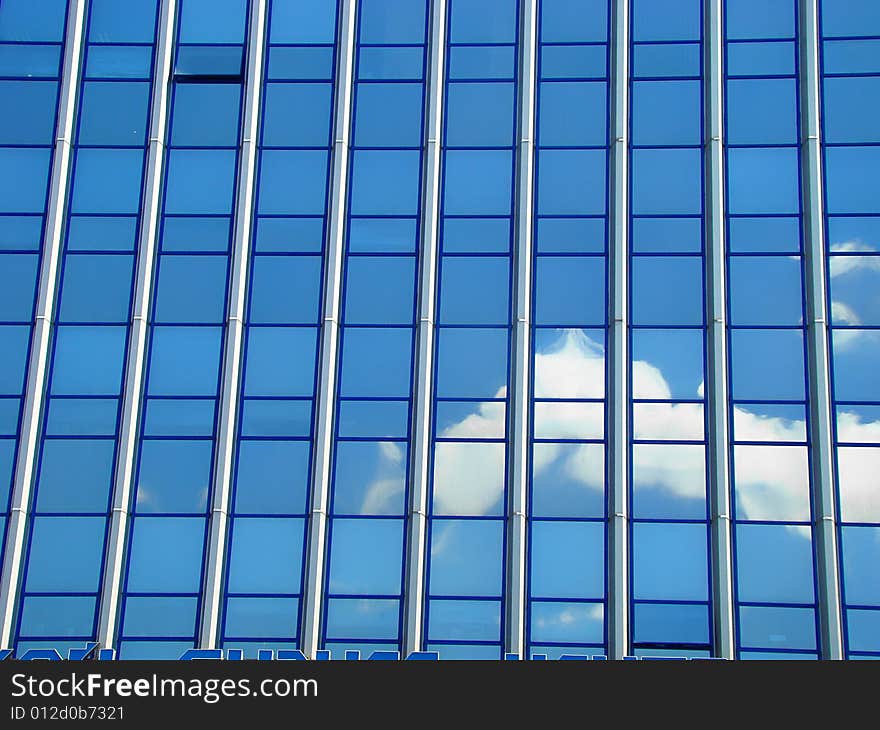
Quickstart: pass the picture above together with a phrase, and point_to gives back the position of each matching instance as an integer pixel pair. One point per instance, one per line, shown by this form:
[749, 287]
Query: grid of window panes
[364, 584]
[31, 53]
[669, 536]
[850, 52]
[567, 498]
[466, 533]
[276, 400]
[774, 580]
[172, 490]
[63, 569]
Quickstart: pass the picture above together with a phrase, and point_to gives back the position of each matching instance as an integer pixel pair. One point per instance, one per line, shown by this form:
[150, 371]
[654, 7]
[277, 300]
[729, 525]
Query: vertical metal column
[414, 596]
[314, 578]
[822, 456]
[617, 456]
[135, 363]
[222, 489]
[38, 365]
[521, 358]
[721, 561]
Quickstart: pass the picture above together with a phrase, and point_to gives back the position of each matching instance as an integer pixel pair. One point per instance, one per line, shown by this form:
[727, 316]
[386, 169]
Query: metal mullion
[521, 359]
[330, 336]
[617, 431]
[32, 406]
[229, 393]
[140, 307]
[717, 396]
[816, 317]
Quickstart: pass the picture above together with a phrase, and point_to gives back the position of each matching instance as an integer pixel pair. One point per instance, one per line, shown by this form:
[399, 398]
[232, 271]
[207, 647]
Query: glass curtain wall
[466, 532]
[568, 497]
[670, 582]
[850, 53]
[363, 590]
[774, 585]
[270, 495]
[31, 57]
[171, 497]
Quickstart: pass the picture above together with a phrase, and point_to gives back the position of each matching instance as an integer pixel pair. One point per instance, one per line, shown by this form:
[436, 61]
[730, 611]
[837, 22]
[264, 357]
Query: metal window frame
[423, 391]
[312, 592]
[38, 364]
[212, 586]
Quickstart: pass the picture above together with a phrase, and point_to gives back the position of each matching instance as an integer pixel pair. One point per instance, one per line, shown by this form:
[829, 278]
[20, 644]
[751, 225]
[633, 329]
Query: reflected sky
[771, 476]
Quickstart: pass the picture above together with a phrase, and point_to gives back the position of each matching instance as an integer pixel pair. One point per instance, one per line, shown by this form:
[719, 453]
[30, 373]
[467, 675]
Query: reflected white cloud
[841, 265]
[772, 481]
[383, 492]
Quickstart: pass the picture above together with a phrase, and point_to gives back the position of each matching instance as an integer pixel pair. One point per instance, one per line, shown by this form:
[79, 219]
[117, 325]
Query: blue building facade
[481, 327]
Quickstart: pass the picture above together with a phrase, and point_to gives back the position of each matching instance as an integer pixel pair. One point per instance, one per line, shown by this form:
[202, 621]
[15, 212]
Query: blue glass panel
[155, 616]
[777, 628]
[385, 182]
[96, 288]
[574, 21]
[200, 181]
[302, 21]
[571, 182]
[269, 617]
[478, 182]
[107, 181]
[113, 113]
[392, 21]
[81, 417]
[65, 554]
[292, 182]
[191, 289]
[24, 192]
[376, 362]
[362, 617]
[266, 555]
[75, 476]
[667, 623]
[184, 361]
[297, 115]
[488, 21]
[205, 115]
[178, 417]
[57, 616]
[22, 20]
[670, 561]
[568, 560]
[475, 290]
[388, 115]
[18, 281]
[366, 556]
[567, 622]
[88, 360]
[471, 363]
[212, 21]
[166, 554]
[465, 621]
[119, 62]
[466, 557]
[380, 290]
[33, 120]
[272, 476]
[667, 181]
[480, 115]
[774, 563]
[133, 22]
[280, 361]
[370, 478]
[174, 476]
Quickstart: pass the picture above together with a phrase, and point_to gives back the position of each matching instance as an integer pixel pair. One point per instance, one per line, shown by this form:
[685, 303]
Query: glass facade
[249, 249]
